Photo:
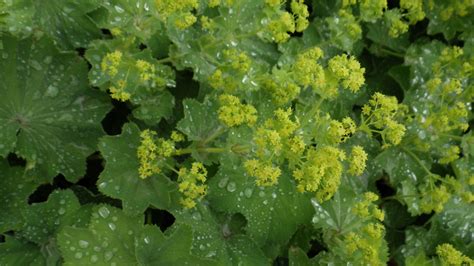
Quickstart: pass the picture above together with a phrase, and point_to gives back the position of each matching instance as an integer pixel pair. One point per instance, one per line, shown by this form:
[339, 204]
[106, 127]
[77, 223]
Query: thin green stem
[219, 131]
[452, 136]
[392, 53]
[417, 160]
[204, 150]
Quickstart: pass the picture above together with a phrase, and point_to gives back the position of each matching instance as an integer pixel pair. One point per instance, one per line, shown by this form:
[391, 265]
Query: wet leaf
[120, 178]
[217, 240]
[14, 191]
[48, 114]
[273, 213]
[67, 22]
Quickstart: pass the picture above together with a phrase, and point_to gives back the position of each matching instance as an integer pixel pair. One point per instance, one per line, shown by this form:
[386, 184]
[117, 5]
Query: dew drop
[94, 258]
[108, 255]
[223, 182]
[119, 9]
[196, 216]
[248, 192]
[78, 255]
[52, 91]
[104, 212]
[83, 244]
[231, 187]
[112, 226]
[61, 211]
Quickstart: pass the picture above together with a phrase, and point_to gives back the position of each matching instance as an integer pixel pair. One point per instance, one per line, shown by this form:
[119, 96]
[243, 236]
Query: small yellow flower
[233, 113]
[357, 160]
[192, 184]
[111, 62]
[265, 173]
[146, 70]
[451, 256]
[147, 154]
[177, 137]
[348, 70]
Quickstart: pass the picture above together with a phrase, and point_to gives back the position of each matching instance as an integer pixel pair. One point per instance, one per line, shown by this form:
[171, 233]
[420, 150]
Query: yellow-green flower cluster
[321, 172]
[232, 71]
[177, 137]
[179, 10]
[433, 197]
[300, 11]
[207, 23]
[448, 117]
[414, 9]
[266, 174]
[357, 160]
[366, 207]
[275, 140]
[371, 10]
[237, 60]
[280, 27]
[366, 244]
[274, 133]
[233, 113]
[449, 88]
[285, 23]
[449, 154]
[458, 8]
[147, 154]
[393, 18]
[381, 112]
[153, 150]
[347, 69]
[340, 131]
[118, 92]
[451, 256]
[281, 88]
[306, 70]
[146, 70]
[111, 62]
[344, 29]
[192, 184]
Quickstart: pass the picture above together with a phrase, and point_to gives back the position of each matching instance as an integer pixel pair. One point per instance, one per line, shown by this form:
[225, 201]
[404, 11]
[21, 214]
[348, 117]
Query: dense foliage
[236, 132]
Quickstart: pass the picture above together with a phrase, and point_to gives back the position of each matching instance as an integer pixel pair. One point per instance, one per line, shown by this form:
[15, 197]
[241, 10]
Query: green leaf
[336, 214]
[156, 249]
[120, 178]
[336, 218]
[298, 257]
[219, 240]
[14, 192]
[132, 17]
[378, 33]
[405, 174]
[454, 23]
[17, 252]
[152, 109]
[199, 120]
[457, 220]
[400, 73]
[112, 237]
[419, 259]
[67, 21]
[43, 220]
[273, 213]
[108, 239]
[420, 58]
[48, 114]
[150, 99]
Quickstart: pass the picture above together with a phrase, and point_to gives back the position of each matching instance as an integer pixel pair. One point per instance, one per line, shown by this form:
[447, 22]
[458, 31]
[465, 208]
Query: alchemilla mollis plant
[236, 132]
